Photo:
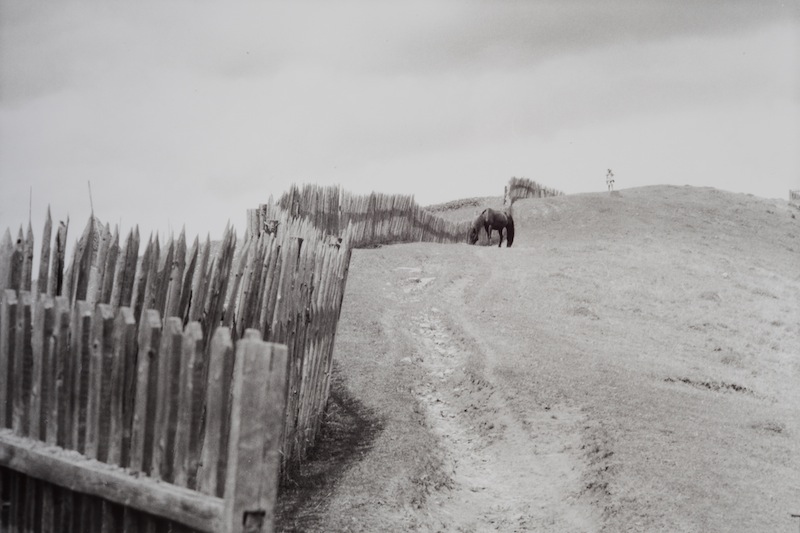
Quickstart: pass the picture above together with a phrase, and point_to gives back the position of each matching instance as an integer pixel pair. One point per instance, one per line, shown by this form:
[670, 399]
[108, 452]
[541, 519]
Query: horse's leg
[488, 229]
[500, 244]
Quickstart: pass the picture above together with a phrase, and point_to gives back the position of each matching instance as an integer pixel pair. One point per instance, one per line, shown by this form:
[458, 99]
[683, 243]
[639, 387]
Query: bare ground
[631, 364]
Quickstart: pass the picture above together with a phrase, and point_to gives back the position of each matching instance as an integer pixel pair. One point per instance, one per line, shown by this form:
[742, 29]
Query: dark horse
[489, 220]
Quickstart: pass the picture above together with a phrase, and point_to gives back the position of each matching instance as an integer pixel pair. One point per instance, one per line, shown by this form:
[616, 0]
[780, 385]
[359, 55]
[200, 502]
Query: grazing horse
[490, 219]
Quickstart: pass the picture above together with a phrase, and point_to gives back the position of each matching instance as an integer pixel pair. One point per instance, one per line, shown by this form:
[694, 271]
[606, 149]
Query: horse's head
[474, 231]
[473, 235]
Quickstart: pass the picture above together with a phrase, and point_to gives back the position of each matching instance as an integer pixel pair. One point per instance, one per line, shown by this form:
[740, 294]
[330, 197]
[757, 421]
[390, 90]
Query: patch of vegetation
[716, 386]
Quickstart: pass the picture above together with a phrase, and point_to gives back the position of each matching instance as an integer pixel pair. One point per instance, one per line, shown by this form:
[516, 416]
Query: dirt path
[507, 472]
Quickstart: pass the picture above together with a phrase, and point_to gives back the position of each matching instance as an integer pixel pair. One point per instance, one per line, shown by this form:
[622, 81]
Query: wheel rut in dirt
[505, 475]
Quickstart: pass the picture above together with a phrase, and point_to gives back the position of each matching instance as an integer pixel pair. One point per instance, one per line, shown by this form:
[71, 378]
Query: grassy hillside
[465, 209]
[631, 364]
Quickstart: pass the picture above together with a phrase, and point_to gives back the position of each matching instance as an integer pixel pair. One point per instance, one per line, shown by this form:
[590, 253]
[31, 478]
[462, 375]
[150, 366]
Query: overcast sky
[188, 113]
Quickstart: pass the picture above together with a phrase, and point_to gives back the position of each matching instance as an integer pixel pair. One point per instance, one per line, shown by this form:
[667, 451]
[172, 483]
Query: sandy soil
[631, 364]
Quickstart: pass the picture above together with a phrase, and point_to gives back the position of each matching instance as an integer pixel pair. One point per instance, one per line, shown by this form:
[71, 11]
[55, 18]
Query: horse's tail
[509, 231]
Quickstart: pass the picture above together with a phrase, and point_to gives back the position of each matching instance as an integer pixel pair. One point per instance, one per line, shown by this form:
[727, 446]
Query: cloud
[195, 111]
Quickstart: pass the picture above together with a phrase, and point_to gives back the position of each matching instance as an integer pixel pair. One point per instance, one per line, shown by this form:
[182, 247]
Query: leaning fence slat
[125, 275]
[97, 263]
[82, 261]
[271, 290]
[233, 289]
[27, 259]
[6, 251]
[150, 290]
[123, 379]
[44, 258]
[110, 270]
[188, 278]
[23, 366]
[41, 387]
[200, 283]
[220, 281]
[55, 284]
[15, 264]
[161, 287]
[63, 371]
[81, 353]
[190, 364]
[98, 408]
[253, 453]
[8, 341]
[175, 279]
[169, 358]
[210, 478]
[139, 292]
[142, 431]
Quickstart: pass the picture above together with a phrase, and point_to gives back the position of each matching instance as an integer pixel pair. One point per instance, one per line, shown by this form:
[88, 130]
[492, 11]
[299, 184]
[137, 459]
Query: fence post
[259, 384]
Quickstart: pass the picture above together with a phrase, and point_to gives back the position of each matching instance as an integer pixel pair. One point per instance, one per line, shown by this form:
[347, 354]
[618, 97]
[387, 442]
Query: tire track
[506, 475]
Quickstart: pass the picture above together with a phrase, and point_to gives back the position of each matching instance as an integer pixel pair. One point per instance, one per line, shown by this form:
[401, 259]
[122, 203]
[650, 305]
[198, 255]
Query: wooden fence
[289, 286]
[519, 188]
[794, 196]
[106, 426]
[285, 288]
[372, 219]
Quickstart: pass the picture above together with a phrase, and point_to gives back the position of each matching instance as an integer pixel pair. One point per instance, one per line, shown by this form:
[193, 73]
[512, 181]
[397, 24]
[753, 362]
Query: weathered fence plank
[122, 383]
[81, 353]
[189, 406]
[23, 366]
[44, 257]
[188, 279]
[98, 408]
[8, 343]
[110, 271]
[169, 359]
[27, 259]
[211, 478]
[64, 369]
[45, 327]
[253, 454]
[90, 477]
[142, 435]
[41, 386]
[55, 283]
